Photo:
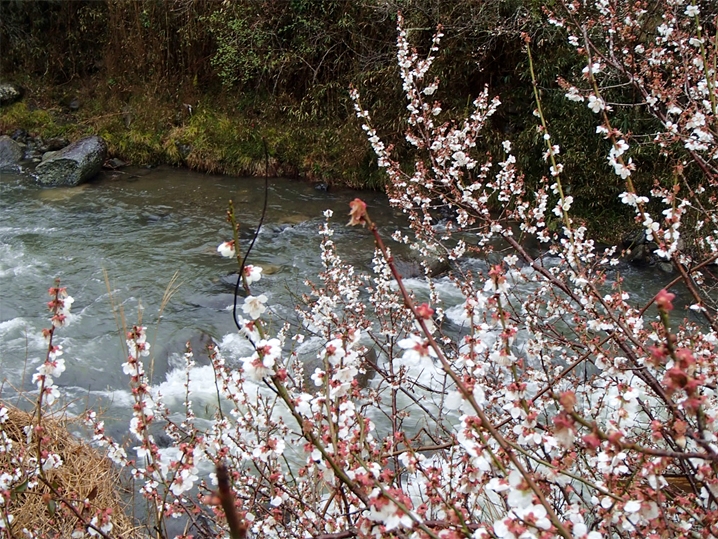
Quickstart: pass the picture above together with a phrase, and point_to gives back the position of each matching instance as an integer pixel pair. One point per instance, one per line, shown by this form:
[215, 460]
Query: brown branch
[237, 526]
[338, 535]
[78, 514]
[691, 287]
[351, 532]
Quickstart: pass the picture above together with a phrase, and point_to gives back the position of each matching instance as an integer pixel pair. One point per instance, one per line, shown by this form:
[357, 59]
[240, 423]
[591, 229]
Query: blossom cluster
[525, 394]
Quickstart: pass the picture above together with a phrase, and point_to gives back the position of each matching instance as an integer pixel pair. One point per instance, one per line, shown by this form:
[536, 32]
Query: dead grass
[86, 474]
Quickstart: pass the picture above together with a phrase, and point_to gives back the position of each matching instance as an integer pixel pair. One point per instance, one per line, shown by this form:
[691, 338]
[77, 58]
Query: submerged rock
[74, 164]
[638, 250]
[61, 194]
[231, 278]
[412, 265]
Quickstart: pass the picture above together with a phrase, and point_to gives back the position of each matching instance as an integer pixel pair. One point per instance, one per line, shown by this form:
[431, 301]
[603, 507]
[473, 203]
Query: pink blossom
[357, 213]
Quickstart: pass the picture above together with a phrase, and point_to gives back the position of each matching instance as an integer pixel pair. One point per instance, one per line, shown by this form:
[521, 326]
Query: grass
[225, 134]
[213, 134]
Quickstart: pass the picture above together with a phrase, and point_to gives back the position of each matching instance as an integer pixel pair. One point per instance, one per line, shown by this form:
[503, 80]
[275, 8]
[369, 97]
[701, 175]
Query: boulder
[638, 250]
[9, 93]
[412, 264]
[74, 164]
[642, 255]
[11, 153]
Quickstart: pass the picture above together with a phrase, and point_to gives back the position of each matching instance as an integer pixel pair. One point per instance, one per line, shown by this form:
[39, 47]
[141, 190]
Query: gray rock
[642, 255]
[9, 93]
[220, 302]
[10, 153]
[639, 252]
[20, 135]
[53, 144]
[412, 264]
[115, 163]
[171, 355]
[183, 149]
[74, 164]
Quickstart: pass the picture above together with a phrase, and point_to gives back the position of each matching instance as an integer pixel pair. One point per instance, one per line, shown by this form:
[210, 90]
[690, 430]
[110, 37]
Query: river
[141, 226]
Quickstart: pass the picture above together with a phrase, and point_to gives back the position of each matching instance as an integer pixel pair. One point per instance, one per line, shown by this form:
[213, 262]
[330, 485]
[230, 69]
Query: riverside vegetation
[203, 83]
[566, 410]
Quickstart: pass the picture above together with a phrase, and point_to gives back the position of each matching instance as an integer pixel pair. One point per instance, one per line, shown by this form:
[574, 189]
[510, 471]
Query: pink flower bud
[568, 400]
[592, 442]
[664, 299]
[675, 378]
[424, 311]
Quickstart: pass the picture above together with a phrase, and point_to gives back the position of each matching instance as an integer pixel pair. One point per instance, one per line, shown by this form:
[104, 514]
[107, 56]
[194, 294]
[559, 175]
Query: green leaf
[51, 507]
[22, 487]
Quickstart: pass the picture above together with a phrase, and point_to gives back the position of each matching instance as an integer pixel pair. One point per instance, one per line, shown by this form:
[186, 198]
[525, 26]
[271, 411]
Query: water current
[135, 229]
[139, 228]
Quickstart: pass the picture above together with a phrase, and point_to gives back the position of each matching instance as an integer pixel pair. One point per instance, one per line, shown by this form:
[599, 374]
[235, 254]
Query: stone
[20, 135]
[116, 163]
[11, 153]
[639, 252]
[412, 264]
[53, 144]
[9, 93]
[183, 149]
[61, 194]
[75, 164]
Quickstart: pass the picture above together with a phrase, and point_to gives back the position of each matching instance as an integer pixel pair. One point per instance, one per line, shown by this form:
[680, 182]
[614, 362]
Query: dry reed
[85, 474]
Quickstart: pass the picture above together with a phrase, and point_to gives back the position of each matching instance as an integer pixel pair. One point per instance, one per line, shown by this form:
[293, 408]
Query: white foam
[202, 386]
[18, 334]
[118, 398]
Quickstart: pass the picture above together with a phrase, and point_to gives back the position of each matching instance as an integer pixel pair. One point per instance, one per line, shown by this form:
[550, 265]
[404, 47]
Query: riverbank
[222, 134]
[202, 85]
[218, 134]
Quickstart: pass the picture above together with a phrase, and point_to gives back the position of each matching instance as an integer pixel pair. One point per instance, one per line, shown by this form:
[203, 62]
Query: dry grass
[85, 474]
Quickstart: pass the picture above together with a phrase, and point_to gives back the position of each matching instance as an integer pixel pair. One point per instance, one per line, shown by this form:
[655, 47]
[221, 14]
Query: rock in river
[11, 153]
[74, 164]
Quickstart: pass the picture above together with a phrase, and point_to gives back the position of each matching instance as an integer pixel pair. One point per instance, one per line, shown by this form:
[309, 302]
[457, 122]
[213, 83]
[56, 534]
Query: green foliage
[37, 122]
[56, 39]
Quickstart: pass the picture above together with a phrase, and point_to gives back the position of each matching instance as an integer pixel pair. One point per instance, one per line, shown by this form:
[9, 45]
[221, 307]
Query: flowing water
[139, 229]
[135, 230]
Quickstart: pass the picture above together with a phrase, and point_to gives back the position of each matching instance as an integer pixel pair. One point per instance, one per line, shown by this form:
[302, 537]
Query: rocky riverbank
[213, 136]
